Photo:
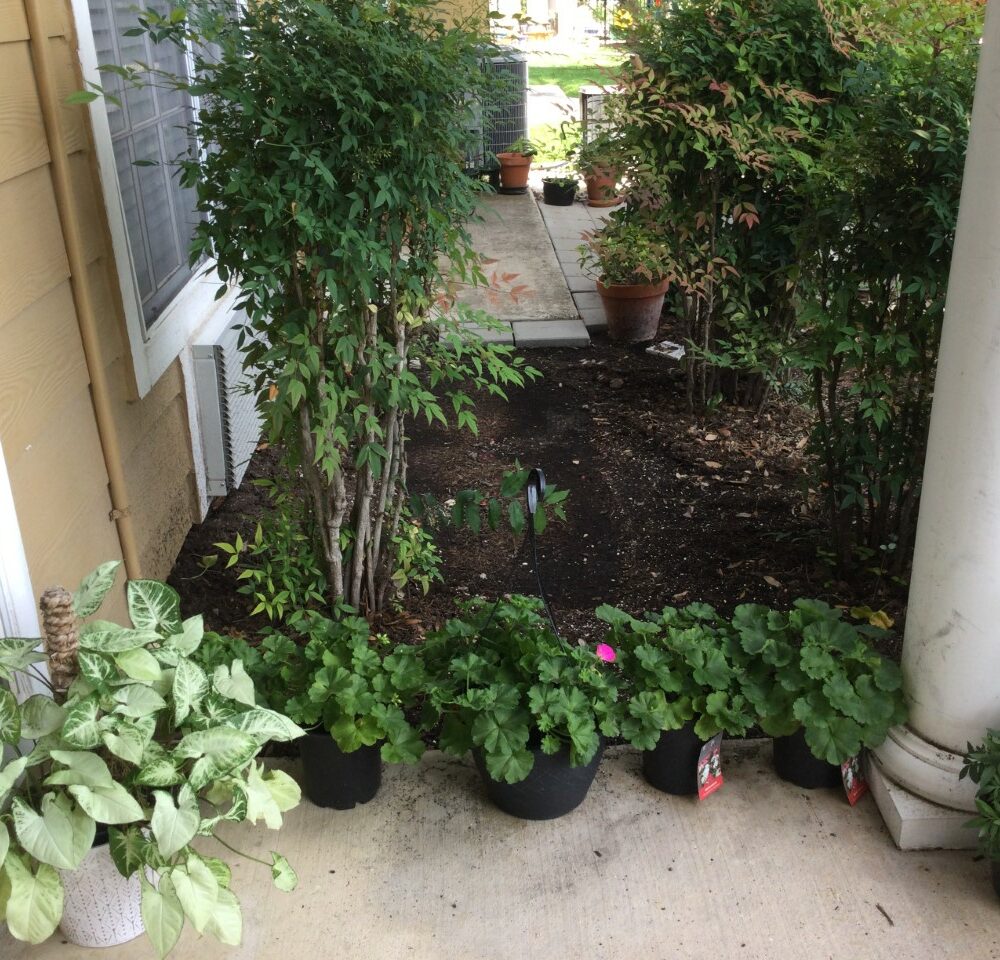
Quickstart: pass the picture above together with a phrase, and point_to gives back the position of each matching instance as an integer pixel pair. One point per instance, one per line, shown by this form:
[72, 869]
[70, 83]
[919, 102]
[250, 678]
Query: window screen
[150, 124]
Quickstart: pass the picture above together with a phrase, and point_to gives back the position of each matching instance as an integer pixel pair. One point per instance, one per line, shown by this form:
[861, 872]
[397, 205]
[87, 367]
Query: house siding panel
[47, 423]
[23, 146]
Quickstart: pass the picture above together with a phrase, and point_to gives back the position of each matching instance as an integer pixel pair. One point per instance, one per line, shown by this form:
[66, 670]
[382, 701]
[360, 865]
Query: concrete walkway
[543, 314]
[759, 871]
[566, 226]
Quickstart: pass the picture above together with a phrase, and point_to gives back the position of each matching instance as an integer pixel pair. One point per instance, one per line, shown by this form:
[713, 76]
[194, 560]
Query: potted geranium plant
[818, 686]
[532, 708]
[349, 690]
[632, 269]
[137, 752]
[982, 766]
[515, 164]
[683, 671]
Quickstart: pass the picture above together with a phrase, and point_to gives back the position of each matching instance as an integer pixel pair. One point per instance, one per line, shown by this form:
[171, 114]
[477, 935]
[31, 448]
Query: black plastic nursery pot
[552, 789]
[558, 194]
[332, 778]
[672, 765]
[796, 763]
[995, 872]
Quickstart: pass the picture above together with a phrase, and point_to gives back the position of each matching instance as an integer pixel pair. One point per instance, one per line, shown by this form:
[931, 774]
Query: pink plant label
[710, 767]
[855, 785]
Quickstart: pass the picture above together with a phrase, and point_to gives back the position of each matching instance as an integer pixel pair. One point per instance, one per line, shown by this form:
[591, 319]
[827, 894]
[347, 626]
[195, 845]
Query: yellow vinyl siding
[48, 428]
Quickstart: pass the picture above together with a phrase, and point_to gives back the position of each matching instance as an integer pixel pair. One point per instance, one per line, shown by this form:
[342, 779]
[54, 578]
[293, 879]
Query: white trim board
[18, 615]
[155, 349]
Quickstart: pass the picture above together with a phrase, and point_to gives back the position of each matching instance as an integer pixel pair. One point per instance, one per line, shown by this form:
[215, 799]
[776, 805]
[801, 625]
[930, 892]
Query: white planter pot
[101, 907]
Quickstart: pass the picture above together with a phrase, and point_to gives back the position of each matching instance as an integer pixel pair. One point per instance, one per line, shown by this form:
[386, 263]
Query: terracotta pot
[601, 187]
[633, 309]
[514, 169]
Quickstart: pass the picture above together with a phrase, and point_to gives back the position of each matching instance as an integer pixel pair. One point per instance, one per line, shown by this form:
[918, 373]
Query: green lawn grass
[571, 73]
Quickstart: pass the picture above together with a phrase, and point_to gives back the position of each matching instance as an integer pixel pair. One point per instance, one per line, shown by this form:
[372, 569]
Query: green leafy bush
[680, 665]
[504, 683]
[332, 674]
[147, 741]
[627, 251]
[810, 668]
[982, 766]
[330, 186]
[803, 161]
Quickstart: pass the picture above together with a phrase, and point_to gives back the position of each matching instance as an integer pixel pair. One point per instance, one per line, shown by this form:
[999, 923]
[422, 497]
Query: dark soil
[665, 508]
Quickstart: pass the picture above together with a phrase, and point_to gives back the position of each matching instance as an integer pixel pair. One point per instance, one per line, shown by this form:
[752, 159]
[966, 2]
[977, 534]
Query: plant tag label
[710, 767]
[855, 785]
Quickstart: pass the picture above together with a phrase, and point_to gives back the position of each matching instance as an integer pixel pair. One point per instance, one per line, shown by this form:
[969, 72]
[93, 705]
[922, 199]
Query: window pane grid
[151, 124]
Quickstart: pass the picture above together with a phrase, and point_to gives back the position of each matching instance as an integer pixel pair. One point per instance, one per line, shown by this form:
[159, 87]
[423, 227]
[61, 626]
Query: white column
[951, 650]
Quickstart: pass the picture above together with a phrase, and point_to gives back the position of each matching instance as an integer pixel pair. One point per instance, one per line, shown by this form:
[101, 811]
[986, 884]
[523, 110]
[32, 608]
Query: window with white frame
[149, 130]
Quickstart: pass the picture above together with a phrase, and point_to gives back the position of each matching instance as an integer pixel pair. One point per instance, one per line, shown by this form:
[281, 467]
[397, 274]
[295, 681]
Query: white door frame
[18, 614]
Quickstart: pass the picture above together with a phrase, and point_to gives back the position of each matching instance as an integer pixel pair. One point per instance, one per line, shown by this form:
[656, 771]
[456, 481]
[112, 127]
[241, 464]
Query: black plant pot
[336, 779]
[557, 194]
[672, 765]
[995, 871]
[552, 789]
[796, 763]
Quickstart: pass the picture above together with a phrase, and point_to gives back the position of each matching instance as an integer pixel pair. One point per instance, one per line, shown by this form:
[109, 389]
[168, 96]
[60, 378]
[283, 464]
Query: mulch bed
[665, 508]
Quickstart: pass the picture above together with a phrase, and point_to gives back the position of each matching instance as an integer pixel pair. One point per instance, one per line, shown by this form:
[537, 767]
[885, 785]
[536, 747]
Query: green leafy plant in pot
[818, 686]
[137, 754]
[982, 766]
[633, 269]
[349, 690]
[515, 164]
[559, 191]
[532, 708]
[683, 671]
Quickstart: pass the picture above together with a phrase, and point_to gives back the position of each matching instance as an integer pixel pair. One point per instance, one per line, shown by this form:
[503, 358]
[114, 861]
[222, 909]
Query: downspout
[83, 299]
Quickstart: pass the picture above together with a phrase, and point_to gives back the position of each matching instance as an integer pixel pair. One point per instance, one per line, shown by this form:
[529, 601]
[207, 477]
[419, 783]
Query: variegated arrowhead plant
[147, 743]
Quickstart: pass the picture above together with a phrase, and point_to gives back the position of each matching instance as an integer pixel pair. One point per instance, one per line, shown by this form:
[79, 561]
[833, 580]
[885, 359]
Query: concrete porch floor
[759, 871]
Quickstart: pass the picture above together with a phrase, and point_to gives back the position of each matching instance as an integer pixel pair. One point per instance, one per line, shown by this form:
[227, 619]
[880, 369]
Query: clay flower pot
[601, 187]
[632, 309]
[514, 169]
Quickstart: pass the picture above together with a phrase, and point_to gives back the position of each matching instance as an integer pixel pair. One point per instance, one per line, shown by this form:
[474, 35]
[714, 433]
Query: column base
[913, 822]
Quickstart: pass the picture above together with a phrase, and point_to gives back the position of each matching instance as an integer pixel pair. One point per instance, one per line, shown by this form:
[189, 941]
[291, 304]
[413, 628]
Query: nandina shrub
[330, 183]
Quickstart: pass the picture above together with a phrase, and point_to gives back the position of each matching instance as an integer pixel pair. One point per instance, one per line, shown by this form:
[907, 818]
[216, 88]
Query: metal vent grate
[505, 114]
[230, 426]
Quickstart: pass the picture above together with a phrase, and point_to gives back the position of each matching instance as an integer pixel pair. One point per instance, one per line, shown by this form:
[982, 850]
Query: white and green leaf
[94, 588]
[162, 915]
[174, 822]
[40, 716]
[190, 687]
[234, 682]
[139, 664]
[35, 902]
[108, 804]
[153, 605]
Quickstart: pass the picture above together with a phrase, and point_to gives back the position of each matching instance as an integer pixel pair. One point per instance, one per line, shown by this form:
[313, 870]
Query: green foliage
[280, 568]
[332, 674]
[147, 741]
[523, 146]
[679, 665]
[503, 684]
[810, 668]
[875, 244]
[982, 766]
[802, 162]
[330, 184]
[627, 251]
